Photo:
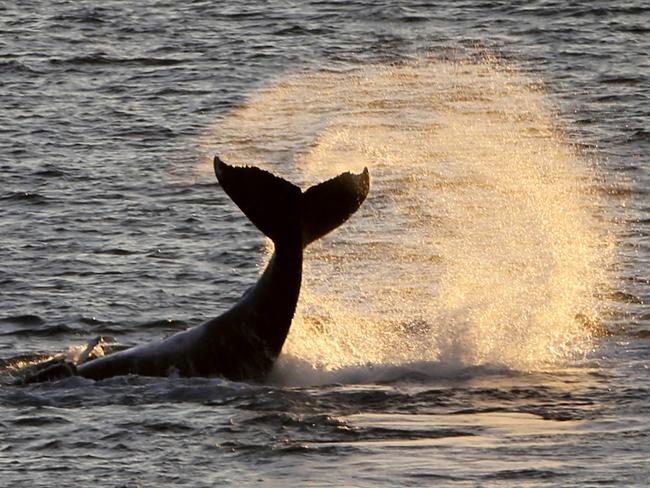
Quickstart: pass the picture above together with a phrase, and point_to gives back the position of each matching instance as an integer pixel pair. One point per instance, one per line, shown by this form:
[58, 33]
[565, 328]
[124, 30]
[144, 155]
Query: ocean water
[481, 320]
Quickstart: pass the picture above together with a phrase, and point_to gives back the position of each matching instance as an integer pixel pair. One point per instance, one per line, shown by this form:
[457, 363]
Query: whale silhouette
[244, 342]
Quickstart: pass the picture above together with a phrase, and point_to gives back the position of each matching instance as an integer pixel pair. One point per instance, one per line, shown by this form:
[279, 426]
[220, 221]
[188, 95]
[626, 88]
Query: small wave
[636, 29]
[411, 19]
[83, 15]
[13, 66]
[524, 474]
[39, 420]
[28, 319]
[382, 433]
[323, 428]
[278, 448]
[94, 321]
[557, 414]
[174, 91]
[153, 132]
[145, 136]
[164, 324]
[153, 425]
[621, 79]
[297, 30]
[25, 196]
[292, 371]
[50, 172]
[104, 59]
[114, 251]
[160, 254]
[239, 14]
[47, 445]
[42, 330]
[579, 11]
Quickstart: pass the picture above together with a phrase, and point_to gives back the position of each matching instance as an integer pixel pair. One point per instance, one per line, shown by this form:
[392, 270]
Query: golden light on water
[480, 241]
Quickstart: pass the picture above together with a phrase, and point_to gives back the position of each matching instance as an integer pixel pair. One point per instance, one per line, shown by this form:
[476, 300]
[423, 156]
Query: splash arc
[244, 342]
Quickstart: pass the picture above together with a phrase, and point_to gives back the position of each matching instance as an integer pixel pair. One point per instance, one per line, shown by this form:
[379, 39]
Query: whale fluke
[278, 207]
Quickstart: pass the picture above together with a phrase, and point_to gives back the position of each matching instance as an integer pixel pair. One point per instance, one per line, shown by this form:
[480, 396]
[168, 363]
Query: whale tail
[276, 206]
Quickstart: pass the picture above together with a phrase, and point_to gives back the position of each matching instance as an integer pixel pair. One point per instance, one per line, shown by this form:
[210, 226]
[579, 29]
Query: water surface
[481, 321]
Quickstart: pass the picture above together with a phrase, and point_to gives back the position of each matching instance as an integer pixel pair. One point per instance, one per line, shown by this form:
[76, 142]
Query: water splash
[479, 243]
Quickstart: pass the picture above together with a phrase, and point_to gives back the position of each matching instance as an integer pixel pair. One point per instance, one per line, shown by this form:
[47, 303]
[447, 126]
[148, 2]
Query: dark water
[112, 226]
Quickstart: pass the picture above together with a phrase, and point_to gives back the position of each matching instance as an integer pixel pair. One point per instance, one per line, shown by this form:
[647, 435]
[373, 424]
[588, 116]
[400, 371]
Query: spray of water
[479, 243]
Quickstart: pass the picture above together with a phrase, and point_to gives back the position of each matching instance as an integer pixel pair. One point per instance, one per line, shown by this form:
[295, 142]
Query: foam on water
[480, 242]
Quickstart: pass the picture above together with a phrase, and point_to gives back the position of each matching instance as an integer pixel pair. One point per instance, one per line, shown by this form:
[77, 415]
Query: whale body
[244, 342]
